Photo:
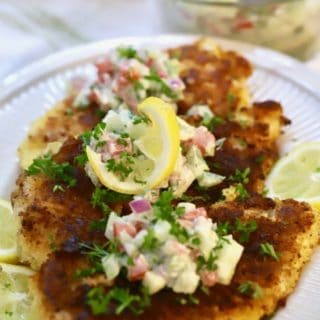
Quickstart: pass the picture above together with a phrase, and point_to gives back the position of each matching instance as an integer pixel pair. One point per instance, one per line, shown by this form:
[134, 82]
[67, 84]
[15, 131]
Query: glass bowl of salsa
[290, 26]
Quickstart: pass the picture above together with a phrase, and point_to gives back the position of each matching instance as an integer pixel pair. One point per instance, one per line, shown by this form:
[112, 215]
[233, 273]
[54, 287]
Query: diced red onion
[140, 206]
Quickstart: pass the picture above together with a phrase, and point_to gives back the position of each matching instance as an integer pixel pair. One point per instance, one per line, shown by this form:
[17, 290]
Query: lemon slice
[8, 234]
[160, 145]
[297, 175]
[15, 299]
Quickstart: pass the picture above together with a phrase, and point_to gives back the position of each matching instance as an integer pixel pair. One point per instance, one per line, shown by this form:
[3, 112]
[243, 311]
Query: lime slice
[160, 145]
[15, 299]
[8, 234]
[297, 175]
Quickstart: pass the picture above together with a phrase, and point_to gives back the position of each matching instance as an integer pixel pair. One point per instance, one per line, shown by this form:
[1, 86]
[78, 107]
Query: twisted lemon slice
[8, 234]
[158, 146]
[15, 299]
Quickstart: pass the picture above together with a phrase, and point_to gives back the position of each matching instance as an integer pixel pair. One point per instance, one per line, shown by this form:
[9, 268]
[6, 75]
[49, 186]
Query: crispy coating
[48, 219]
[56, 125]
[291, 227]
[213, 77]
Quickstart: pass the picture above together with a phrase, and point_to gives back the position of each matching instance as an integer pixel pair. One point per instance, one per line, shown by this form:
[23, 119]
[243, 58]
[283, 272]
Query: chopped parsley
[117, 300]
[251, 289]
[102, 197]
[164, 88]
[231, 97]
[137, 119]
[242, 142]
[121, 167]
[123, 139]
[127, 53]
[212, 122]
[52, 244]
[317, 169]
[242, 192]
[241, 176]
[95, 253]
[268, 249]
[163, 210]
[223, 228]
[82, 158]
[61, 172]
[98, 130]
[245, 229]
[260, 158]
[150, 241]
[188, 299]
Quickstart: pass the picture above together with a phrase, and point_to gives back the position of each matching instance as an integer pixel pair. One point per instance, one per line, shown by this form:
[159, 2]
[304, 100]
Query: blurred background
[34, 28]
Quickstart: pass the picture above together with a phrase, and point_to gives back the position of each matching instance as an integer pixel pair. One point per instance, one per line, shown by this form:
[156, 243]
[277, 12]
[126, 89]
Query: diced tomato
[204, 140]
[103, 66]
[208, 278]
[178, 248]
[124, 227]
[115, 148]
[139, 225]
[138, 269]
[243, 24]
[185, 223]
[199, 212]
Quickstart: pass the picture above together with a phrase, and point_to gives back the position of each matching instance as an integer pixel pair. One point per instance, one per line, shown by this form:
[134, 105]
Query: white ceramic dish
[27, 95]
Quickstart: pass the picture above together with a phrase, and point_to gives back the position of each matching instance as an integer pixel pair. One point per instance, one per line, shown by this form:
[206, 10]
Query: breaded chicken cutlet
[53, 224]
[291, 227]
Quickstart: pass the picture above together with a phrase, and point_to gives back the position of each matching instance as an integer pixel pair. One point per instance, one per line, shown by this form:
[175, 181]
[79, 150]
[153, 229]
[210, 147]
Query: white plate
[27, 94]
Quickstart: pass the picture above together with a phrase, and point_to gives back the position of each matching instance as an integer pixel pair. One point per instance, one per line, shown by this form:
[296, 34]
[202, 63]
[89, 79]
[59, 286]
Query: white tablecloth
[34, 28]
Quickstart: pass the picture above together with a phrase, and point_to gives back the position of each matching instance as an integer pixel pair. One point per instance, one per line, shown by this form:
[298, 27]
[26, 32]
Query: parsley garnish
[212, 122]
[52, 243]
[241, 176]
[150, 241]
[242, 142]
[242, 192]
[268, 249]
[102, 197]
[121, 167]
[163, 210]
[245, 229]
[82, 158]
[188, 299]
[317, 169]
[164, 88]
[123, 139]
[62, 172]
[101, 302]
[223, 228]
[251, 289]
[231, 97]
[137, 119]
[127, 53]
[98, 130]
[260, 158]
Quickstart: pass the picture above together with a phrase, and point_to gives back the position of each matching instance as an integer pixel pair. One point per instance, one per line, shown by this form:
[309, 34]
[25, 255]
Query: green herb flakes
[268, 250]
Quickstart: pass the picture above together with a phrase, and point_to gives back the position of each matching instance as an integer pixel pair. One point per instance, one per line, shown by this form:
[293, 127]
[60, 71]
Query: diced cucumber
[111, 266]
[228, 259]
[197, 164]
[153, 282]
[209, 179]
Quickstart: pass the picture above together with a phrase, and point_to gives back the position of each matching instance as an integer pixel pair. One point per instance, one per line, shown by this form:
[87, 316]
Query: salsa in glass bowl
[290, 26]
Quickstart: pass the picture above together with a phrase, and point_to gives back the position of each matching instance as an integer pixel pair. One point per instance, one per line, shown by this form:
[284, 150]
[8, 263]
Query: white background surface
[30, 29]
